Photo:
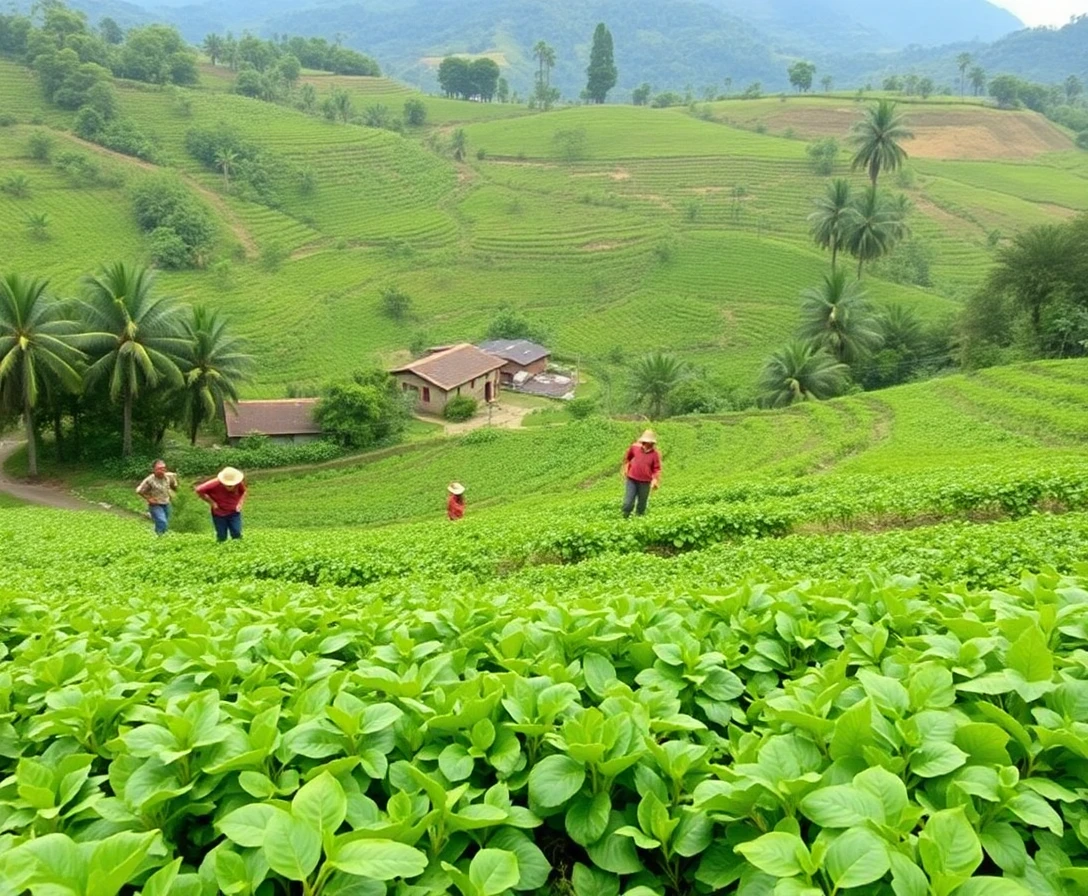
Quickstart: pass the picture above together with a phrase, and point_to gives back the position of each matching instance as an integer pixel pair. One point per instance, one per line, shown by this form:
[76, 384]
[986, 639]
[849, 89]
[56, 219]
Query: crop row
[809, 737]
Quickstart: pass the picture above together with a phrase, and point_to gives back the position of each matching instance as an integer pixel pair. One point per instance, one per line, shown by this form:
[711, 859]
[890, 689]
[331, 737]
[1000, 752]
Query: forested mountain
[676, 44]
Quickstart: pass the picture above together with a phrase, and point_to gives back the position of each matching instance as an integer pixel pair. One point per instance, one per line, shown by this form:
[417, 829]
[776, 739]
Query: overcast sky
[1044, 12]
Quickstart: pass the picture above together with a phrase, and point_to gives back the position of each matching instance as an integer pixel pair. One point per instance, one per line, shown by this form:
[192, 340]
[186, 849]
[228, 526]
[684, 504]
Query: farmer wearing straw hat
[225, 494]
[455, 504]
[641, 472]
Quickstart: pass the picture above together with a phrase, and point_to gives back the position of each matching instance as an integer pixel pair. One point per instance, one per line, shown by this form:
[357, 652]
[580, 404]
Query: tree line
[120, 358]
[316, 53]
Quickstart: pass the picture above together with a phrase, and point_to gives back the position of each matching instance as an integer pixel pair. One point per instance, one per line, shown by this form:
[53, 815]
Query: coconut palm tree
[213, 367]
[877, 137]
[545, 55]
[39, 345]
[963, 61]
[836, 316]
[977, 77]
[874, 227]
[800, 371]
[830, 222]
[654, 376]
[138, 337]
[224, 161]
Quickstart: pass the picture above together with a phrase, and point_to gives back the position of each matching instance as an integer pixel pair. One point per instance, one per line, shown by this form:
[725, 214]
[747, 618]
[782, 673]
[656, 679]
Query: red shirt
[455, 507]
[642, 466]
[226, 501]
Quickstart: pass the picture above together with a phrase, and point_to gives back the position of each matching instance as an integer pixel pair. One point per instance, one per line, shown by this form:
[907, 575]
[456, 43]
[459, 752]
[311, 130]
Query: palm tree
[830, 222]
[963, 61]
[214, 366]
[654, 376]
[800, 371]
[836, 316]
[902, 330]
[545, 55]
[874, 227]
[38, 344]
[138, 336]
[877, 138]
[224, 161]
[1031, 267]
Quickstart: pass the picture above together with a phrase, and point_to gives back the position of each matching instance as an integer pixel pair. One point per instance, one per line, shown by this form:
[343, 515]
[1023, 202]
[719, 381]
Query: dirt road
[43, 495]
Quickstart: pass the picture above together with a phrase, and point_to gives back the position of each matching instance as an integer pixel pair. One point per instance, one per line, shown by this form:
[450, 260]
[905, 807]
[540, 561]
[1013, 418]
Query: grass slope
[666, 230]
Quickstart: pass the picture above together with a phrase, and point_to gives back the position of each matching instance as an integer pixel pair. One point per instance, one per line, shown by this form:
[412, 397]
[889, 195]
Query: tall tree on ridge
[964, 62]
[601, 73]
[877, 137]
[37, 344]
[545, 55]
[978, 79]
[138, 337]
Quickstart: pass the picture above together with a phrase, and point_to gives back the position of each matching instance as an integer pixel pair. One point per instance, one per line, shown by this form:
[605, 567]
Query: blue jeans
[160, 516]
[633, 491]
[231, 524]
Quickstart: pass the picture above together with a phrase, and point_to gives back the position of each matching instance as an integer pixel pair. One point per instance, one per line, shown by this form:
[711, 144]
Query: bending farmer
[225, 494]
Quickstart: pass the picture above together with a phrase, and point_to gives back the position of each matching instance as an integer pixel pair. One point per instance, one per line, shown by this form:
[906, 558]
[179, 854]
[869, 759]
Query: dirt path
[43, 495]
[224, 211]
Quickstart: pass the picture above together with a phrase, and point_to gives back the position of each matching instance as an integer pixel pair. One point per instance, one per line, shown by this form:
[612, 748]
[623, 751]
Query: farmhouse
[448, 372]
[521, 357]
[285, 421]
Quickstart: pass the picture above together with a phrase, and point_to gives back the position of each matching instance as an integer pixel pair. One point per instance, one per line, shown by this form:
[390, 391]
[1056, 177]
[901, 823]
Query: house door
[489, 391]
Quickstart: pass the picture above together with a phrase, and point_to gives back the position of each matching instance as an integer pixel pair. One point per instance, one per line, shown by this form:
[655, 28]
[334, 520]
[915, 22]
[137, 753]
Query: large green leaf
[777, 853]
[554, 780]
[378, 859]
[857, 857]
[493, 870]
[292, 846]
[321, 803]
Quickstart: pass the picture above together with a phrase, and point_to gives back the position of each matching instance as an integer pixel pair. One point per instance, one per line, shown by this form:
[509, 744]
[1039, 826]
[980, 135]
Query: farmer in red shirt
[455, 504]
[642, 472]
[225, 494]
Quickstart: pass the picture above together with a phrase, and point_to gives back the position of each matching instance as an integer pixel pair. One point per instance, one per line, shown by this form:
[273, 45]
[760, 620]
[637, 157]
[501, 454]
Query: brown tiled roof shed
[280, 417]
[453, 367]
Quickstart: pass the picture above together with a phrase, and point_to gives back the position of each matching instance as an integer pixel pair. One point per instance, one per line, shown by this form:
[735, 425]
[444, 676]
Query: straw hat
[230, 476]
[455, 488]
[648, 437]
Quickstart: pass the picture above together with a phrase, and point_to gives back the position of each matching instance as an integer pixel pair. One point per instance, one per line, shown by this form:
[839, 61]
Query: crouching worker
[225, 495]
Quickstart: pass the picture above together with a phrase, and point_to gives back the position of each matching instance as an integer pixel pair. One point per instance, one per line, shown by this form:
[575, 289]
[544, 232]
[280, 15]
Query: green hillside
[617, 229]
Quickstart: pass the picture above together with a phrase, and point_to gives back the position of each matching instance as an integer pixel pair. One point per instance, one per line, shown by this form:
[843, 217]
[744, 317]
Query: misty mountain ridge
[679, 44]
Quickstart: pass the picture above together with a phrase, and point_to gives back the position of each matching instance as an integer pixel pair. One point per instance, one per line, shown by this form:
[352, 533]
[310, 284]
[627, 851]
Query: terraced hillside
[618, 229]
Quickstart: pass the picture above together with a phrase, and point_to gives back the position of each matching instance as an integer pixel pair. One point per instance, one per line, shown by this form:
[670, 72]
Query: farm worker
[225, 494]
[455, 504]
[157, 489]
[641, 472]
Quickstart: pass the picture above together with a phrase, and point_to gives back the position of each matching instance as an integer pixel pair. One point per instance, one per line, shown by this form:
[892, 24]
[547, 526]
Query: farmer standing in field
[225, 494]
[157, 489]
[455, 504]
[641, 472]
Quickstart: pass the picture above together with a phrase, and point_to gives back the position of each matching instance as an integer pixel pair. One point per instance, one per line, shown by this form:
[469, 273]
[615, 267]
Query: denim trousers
[160, 516]
[230, 524]
[635, 491]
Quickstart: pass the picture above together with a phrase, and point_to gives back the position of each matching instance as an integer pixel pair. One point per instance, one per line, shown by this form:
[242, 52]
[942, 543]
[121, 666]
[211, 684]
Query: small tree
[977, 78]
[395, 304]
[653, 378]
[458, 144]
[800, 371]
[826, 82]
[415, 113]
[367, 409]
[640, 96]
[800, 74]
[822, 155]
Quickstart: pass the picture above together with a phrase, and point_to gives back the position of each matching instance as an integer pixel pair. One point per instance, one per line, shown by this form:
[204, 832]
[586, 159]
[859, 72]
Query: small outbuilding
[520, 356]
[448, 372]
[286, 421]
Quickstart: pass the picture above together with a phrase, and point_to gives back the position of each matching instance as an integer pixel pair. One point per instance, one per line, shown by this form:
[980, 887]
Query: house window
[473, 383]
[426, 394]
[403, 387]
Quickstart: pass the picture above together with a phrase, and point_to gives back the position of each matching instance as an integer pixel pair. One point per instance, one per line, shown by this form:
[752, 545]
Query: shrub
[461, 408]
[580, 408]
[395, 303]
[7, 120]
[168, 249]
[512, 324]
[822, 155]
[415, 113]
[163, 202]
[571, 145]
[40, 146]
[16, 185]
[367, 409]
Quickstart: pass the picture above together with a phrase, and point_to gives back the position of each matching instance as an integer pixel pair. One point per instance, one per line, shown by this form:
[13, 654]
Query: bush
[461, 408]
[257, 454]
[168, 249]
[164, 202]
[363, 411]
[7, 120]
[415, 113]
[40, 146]
[395, 303]
[822, 155]
[580, 408]
[512, 324]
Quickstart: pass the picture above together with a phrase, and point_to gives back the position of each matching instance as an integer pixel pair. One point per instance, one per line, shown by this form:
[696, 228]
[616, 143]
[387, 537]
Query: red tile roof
[282, 417]
[452, 367]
